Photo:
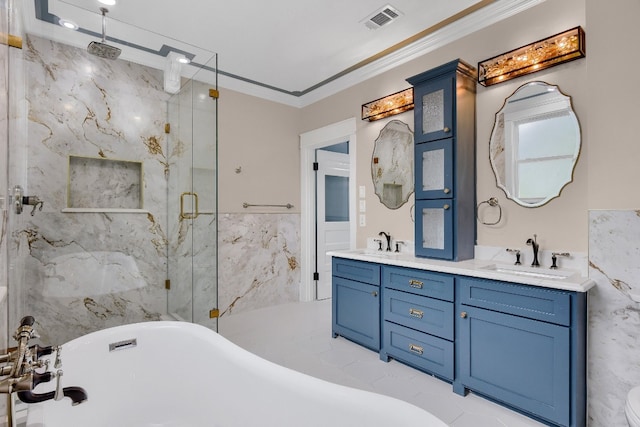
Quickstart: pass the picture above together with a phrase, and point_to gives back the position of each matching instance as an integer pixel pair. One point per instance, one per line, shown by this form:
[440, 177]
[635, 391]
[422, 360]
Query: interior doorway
[332, 211]
[309, 143]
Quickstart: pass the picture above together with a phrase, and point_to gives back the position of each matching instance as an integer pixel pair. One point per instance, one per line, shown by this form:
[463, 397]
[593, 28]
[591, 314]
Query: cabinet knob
[445, 207]
[463, 314]
[447, 190]
[374, 293]
[446, 130]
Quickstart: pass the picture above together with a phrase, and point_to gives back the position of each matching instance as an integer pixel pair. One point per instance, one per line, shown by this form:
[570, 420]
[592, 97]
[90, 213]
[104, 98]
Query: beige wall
[262, 138]
[560, 225]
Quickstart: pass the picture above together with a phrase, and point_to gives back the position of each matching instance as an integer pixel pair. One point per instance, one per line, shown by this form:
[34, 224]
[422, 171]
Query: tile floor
[298, 336]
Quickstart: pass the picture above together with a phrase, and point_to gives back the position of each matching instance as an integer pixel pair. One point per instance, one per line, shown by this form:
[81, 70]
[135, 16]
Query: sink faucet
[534, 244]
[388, 237]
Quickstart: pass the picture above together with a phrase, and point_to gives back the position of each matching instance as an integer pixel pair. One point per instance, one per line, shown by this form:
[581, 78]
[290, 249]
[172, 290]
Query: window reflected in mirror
[535, 144]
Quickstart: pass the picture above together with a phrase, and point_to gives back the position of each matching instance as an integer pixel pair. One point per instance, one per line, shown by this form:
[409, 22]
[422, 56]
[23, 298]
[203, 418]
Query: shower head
[101, 48]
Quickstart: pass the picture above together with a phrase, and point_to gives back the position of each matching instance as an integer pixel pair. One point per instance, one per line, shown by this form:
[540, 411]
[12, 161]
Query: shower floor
[298, 336]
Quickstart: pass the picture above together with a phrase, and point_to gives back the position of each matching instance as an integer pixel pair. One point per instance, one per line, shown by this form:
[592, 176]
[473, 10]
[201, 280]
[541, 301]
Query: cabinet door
[356, 312]
[434, 109]
[434, 228]
[522, 362]
[434, 170]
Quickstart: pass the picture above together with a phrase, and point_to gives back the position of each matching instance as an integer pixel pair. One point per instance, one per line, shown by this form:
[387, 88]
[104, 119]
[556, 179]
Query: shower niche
[104, 185]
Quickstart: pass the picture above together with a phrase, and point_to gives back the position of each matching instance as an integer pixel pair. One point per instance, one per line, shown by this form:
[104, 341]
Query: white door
[332, 214]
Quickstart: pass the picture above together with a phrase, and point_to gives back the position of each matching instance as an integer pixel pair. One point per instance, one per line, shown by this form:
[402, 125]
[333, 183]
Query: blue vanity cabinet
[524, 346]
[418, 322]
[444, 117]
[356, 301]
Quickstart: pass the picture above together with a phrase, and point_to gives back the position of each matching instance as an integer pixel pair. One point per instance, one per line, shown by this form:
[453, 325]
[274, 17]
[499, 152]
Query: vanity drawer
[421, 350]
[428, 315]
[419, 282]
[544, 304]
[356, 270]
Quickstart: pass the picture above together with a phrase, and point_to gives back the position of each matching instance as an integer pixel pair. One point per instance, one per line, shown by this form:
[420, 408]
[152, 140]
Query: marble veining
[270, 245]
[614, 320]
[82, 272]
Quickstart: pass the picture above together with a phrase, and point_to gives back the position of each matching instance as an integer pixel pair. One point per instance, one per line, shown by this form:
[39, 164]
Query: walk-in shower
[128, 176]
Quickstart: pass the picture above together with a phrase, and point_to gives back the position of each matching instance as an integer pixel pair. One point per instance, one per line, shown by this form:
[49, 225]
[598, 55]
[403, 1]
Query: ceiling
[290, 51]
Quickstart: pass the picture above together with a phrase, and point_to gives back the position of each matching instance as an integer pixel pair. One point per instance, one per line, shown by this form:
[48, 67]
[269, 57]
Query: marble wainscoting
[614, 320]
[83, 271]
[258, 264]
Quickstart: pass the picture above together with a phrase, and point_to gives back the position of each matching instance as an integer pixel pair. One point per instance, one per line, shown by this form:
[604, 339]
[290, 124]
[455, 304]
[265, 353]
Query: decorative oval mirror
[392, 164]
[535, 144]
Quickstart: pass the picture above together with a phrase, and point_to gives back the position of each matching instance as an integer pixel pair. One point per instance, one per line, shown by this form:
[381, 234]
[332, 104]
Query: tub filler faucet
[18, 369]
[534, 245]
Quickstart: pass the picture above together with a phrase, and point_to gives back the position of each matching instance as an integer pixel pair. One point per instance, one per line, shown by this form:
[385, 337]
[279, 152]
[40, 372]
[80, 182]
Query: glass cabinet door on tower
[434, 170]
[434, 110]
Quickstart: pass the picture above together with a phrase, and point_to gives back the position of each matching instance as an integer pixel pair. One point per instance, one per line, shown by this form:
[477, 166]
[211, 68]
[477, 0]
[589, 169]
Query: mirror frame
[409, 164]
[492, 148]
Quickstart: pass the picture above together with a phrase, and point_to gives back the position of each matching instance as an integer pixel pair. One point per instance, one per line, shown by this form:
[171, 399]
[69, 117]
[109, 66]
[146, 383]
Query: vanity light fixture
[537, 56]
[390, 105]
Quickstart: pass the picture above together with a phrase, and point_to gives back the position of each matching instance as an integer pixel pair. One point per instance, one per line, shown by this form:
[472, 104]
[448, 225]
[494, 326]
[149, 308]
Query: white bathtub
[181, 374]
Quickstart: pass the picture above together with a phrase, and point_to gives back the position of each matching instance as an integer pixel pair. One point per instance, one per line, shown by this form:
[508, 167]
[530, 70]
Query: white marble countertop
[563, 279]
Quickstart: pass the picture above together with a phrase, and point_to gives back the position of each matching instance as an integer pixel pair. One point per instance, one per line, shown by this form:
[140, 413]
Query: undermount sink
[377, 253]
[530, 271]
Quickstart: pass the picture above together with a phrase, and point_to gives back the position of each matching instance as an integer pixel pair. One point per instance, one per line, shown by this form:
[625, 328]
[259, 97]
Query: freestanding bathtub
[181, 374]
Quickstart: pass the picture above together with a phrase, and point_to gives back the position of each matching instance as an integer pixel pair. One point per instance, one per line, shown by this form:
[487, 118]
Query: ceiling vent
[382, 17]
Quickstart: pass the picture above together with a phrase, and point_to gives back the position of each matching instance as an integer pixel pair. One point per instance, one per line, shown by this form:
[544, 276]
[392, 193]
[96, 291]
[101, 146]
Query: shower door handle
[188, 215]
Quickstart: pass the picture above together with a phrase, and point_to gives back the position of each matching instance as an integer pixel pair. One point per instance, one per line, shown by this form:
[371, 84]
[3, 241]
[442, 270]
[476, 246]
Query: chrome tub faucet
[18, 375]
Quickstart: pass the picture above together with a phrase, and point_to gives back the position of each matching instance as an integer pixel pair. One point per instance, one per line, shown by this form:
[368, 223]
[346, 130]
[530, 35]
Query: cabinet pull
[446, 130]
[416, 284]
[374, 293]
[463, 314]
[445, 207]
[414, 312]
[416, 349]
[447, 191]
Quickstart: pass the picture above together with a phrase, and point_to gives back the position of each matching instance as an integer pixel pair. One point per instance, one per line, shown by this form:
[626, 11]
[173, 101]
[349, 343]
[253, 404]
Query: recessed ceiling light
[108, 2]
[183, 60]
[68, 24]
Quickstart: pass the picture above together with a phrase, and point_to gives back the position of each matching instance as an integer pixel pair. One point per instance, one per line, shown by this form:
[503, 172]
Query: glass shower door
[192, 203]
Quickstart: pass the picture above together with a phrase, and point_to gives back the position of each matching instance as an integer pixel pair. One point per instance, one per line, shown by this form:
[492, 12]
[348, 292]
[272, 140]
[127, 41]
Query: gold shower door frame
[192, 226]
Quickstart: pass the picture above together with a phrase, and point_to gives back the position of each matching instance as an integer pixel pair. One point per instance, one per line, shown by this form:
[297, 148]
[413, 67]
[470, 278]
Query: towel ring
[493, 202]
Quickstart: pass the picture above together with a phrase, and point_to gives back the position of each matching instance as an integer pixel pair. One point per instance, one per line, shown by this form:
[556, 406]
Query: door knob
[463, 314]
[446, 130]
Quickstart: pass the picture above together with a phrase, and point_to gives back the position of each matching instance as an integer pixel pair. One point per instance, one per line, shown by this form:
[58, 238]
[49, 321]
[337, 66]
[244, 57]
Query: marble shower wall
[614, 320]
[258, 261]
[86, 271]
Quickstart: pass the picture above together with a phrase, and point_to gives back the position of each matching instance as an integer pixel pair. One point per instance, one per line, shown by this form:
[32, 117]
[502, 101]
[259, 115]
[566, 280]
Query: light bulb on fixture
[68, 24]
[107, 2]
